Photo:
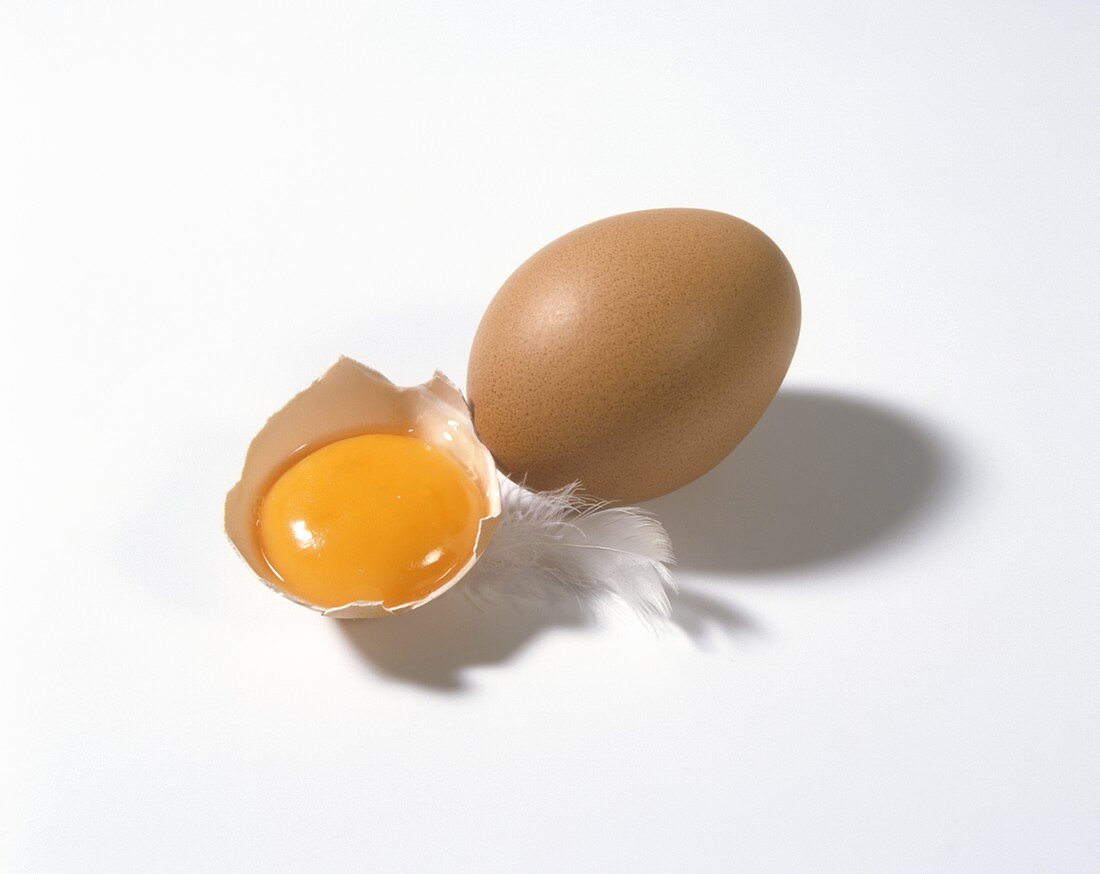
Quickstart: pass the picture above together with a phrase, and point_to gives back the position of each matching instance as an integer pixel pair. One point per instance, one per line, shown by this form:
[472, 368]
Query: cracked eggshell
[353, 399]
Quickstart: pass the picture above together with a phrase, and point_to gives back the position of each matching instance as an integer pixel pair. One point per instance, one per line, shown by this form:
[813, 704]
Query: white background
[885, 656]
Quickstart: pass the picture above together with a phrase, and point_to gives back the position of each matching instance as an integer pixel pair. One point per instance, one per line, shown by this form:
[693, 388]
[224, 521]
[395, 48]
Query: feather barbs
[560, 544]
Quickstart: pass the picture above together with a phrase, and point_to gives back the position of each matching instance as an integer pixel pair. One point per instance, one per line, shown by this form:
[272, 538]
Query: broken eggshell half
[352, 399]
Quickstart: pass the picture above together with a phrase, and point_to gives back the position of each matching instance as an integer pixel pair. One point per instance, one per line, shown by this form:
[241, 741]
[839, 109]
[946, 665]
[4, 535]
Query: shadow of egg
[823, 477]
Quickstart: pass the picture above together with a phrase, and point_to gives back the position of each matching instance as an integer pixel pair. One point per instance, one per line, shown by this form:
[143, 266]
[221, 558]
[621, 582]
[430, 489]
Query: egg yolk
[379, 517]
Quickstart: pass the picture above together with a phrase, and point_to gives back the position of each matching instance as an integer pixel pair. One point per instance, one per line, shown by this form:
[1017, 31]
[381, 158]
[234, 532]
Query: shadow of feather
[435, 648]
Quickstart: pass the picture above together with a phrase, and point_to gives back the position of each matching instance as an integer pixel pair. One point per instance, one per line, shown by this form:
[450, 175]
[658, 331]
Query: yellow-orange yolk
[379, 517]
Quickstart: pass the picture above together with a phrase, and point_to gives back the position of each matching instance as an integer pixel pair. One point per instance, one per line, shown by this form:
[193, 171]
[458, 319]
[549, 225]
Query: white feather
[560, 544]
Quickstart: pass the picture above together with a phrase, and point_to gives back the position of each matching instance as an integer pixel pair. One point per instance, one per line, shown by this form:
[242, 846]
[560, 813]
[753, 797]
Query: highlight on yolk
[379, 517]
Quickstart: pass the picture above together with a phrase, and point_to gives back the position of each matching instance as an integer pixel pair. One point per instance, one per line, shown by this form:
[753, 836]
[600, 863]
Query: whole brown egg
[633, 354]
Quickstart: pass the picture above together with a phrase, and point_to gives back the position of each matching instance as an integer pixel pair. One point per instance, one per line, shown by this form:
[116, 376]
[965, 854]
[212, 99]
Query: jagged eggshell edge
[351, 398]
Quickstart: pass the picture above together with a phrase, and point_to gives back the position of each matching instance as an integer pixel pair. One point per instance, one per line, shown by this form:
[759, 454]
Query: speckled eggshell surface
[633, 354]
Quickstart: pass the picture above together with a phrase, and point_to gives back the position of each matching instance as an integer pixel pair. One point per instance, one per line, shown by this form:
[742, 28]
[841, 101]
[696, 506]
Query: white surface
[887, 657]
